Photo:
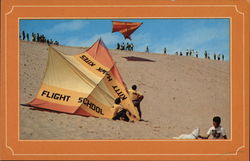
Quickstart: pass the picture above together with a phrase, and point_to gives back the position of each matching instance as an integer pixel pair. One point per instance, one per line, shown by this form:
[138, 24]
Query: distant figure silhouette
[28, 37]
[132, 46]
[37, 37]
[23, 35]
[165, 51]
[223, 57]
[128, 47]
[118, 46]
[51, 42]
[123, 46]
[187, 52]
[180, 53]
[214, 56]
[33, 36]
[205, 54]
[147, 50]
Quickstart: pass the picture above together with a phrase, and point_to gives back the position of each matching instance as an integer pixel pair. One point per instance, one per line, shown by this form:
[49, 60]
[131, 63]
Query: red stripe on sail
[58, 107]
[52, 106]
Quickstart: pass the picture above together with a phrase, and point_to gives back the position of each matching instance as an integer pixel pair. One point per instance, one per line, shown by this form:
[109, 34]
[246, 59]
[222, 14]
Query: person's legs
[121, 115]
[137, 105]
[118, 115]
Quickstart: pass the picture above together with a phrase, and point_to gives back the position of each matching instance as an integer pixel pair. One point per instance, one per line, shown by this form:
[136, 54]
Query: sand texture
[181, 94]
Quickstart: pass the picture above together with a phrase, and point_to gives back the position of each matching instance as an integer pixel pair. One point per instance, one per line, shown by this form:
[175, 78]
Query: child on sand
[217, 131]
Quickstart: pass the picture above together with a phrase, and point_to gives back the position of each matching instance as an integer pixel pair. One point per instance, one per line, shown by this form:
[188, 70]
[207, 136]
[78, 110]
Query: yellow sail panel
[60, 96]
[91, 76]
[96, 108]
[91, 64]
[60, 73]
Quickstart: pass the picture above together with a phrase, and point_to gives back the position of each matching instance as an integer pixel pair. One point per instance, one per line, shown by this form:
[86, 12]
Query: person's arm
[203, 137]
[223, 132]
[115, 113]
[208, 134]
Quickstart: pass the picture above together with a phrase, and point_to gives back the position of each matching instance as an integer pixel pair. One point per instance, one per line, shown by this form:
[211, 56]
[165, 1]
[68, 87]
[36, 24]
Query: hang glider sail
[84, 84]
[125, 28]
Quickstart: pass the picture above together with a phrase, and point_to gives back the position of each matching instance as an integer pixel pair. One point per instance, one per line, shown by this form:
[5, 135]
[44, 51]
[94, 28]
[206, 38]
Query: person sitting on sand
[121, 113]
[136, 98]
[217, 131]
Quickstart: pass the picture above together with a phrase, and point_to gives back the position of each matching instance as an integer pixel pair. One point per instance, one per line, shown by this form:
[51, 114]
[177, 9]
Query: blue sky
[174, 34]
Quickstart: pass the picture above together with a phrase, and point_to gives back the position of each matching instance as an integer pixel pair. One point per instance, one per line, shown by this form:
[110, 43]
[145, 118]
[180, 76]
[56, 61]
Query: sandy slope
[181, 93]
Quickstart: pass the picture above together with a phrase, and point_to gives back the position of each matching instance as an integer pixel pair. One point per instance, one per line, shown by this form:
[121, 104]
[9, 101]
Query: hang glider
[83, 84]
[125, 28]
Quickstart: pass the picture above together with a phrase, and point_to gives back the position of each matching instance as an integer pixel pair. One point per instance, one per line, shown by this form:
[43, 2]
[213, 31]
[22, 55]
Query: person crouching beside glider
[121, 113]
[136, 98]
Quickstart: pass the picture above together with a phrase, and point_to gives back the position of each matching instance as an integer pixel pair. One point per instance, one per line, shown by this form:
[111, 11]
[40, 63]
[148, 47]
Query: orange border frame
[236, 148]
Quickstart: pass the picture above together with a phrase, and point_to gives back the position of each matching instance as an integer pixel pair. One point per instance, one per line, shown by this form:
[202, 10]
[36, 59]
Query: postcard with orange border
[124, 80]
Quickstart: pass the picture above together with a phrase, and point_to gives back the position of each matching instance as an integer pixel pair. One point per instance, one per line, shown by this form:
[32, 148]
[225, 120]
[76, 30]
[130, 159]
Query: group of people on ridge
[196, 54]
[36, 37]
[120, 113]
[129, 47]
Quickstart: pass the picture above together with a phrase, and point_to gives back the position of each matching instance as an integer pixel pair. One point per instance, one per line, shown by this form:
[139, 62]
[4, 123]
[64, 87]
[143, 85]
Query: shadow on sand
[132, 58]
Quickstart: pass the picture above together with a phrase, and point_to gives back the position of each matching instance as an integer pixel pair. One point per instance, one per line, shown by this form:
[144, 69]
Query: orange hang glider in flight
[125, 28]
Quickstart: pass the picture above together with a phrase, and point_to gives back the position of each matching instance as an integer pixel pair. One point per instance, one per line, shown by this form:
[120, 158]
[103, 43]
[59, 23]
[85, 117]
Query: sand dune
[181, 94]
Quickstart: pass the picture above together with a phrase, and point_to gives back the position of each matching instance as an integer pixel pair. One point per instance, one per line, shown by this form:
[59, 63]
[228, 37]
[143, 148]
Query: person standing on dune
[118, 46]
[147, 50]
[28, 37]
[205, 54]
[132, 46]
[23, 35]
[165, 51]
[219, 57]
[136, 98]
[187, 52]
[197, 55]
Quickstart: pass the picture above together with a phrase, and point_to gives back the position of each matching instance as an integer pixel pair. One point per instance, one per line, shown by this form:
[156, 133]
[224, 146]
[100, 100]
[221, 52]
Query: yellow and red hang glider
[126, 28]
[83, 84]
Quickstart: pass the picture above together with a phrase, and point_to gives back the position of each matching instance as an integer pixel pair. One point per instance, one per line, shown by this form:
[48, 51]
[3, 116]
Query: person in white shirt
[216, 131]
